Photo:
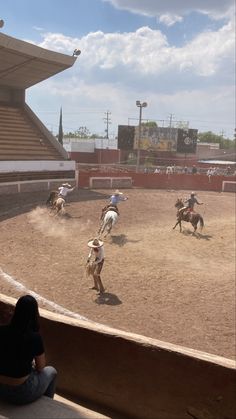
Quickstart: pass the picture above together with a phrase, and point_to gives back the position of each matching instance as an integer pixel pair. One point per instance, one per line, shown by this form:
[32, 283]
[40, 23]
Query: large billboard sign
[126, 137]
[187, 141]
[153, 138]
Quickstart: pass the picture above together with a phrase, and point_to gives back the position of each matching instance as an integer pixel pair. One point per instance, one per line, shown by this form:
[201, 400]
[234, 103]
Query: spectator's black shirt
[17, 352]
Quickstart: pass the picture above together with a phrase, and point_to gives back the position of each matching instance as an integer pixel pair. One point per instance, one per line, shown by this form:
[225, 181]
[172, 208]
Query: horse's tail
[201, 222]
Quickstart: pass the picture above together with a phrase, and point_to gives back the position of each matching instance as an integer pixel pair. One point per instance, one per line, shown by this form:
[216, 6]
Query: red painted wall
[100, 156]
[83, 157]
[163, 181]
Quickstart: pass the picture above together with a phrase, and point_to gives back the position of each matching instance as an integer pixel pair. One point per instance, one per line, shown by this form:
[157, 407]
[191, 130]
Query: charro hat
[117, 192]
[193, 193]
[66, 184]
[95, 243]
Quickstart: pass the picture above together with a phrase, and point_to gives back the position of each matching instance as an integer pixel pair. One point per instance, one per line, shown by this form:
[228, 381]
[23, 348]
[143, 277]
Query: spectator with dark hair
[24, 376]
[194, 170]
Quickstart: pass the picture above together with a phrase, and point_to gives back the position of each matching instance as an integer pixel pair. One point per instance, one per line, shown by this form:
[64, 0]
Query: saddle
[184, 214]
[109, 208]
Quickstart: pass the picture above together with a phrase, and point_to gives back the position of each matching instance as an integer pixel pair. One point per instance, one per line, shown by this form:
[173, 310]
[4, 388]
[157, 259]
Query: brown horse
[188, 216]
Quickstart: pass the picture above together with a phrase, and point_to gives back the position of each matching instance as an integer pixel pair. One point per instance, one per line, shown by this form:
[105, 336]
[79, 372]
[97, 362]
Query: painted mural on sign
[155, 138]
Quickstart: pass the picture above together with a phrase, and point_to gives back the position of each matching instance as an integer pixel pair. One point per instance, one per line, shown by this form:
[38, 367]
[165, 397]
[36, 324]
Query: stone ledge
[46, 408]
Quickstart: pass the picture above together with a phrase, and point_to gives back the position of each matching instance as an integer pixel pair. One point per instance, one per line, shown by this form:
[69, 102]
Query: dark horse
[188, 216]
[52, 197]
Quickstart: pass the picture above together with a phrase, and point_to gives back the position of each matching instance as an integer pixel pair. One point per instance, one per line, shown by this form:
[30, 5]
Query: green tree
[150, 124]
[210, 137]
[82, 132]
[60, 130]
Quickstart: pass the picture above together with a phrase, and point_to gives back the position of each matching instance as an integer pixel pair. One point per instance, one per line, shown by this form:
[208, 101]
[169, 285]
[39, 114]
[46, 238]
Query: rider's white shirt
[63, 191]
[114, 199]
[99, 255]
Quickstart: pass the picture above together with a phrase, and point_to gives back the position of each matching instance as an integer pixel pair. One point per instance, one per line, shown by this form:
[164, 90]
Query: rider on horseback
[190, 204]
[64, 189]
[115, 198]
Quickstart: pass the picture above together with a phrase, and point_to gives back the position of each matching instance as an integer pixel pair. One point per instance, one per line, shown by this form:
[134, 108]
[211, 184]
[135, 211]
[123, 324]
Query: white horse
[108, 222]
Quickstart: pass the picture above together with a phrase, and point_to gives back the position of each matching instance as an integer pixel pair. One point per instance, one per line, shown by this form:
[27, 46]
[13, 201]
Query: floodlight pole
[140, 106]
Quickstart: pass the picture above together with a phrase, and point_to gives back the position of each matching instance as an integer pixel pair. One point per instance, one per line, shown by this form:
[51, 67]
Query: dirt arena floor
[160, 283]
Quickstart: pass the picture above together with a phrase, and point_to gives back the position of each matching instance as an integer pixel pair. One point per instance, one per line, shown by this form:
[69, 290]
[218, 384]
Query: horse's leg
[103, 227]
[180, 227]
[108, 227]
[176, 224]
[194, 227]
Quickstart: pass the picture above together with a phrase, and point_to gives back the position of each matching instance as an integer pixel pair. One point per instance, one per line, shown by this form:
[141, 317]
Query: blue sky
[176, 55]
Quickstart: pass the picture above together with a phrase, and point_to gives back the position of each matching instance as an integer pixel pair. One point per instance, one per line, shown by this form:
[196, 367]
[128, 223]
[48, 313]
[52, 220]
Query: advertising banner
[156, 139]
[125, 137]
[187, 141]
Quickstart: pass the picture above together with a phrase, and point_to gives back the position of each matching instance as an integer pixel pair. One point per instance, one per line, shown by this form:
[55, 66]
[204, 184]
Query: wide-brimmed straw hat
[95, 243]
[117, 192]
[66, 184]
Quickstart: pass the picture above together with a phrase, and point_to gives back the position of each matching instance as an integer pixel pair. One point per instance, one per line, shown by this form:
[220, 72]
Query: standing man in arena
[95, 266]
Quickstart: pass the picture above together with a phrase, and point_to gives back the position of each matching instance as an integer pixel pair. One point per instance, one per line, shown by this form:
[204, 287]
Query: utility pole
[170, 124]
[222, 133]
[107, 121]
[171, 117]
[140, 106]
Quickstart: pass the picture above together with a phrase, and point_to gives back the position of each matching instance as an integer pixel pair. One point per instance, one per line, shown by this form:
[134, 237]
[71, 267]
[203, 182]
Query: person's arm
[40, 362]
[123, 198]
[71, 189]
[199, 203]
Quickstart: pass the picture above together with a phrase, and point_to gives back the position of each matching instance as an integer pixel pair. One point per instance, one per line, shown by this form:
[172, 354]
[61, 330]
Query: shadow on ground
[197, 235]
[108, 299]
[121, 240]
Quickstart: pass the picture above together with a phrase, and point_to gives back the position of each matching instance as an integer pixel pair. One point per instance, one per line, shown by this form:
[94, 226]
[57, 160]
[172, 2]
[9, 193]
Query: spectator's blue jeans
[37, 384]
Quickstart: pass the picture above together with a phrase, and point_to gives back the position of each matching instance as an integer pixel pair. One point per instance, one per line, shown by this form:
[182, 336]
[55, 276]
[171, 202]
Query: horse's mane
[179, 201]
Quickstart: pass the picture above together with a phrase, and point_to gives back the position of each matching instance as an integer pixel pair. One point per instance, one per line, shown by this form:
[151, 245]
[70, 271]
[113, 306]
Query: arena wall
[28, 176]
[160, 181]
[229, 186]
[131, 374]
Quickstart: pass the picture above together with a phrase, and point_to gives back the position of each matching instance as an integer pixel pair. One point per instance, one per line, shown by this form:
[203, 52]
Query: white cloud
[214, 8]
[169, 19]
[195, 81]
[146, 52]
[38, 28]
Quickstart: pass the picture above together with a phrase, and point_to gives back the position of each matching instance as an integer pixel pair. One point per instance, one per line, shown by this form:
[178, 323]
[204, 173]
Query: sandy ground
[160, 283]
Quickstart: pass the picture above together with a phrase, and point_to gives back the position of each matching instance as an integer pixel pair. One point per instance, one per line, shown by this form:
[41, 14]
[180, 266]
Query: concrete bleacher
[45, 408]
[21, 139]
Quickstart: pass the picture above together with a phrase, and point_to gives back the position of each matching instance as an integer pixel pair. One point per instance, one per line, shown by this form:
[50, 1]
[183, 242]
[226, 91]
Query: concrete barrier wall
[163, 181]
[139, 180]
[136, 376]
[32, 185]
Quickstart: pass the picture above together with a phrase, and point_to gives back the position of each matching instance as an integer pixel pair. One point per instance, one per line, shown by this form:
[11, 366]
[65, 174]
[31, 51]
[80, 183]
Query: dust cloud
[50, 225]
